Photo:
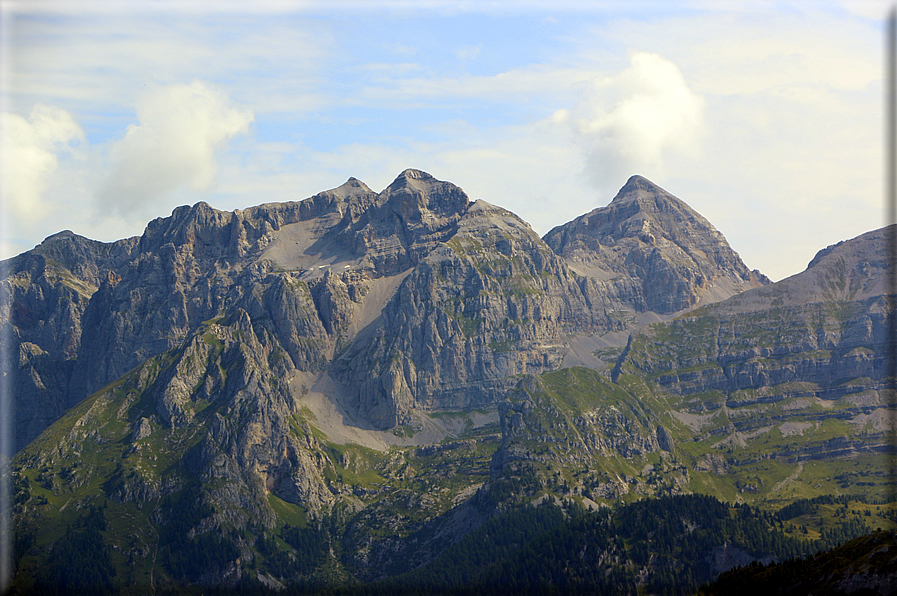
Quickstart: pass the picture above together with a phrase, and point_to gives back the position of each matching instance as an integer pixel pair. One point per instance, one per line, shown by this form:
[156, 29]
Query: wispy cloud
[180, 129]
[94, 62]
[29, 156]
[469, 52]
[632, 120]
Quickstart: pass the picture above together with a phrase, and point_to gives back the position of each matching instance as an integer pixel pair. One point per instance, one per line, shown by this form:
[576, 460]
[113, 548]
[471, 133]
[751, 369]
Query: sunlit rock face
[652, 252]
[415, 297]
[812, 347]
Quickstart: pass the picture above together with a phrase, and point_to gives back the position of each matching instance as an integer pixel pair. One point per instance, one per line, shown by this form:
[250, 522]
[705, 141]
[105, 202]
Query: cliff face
[43, 296]
[420, 299]
[119, 304]
[815, 341]
[650, 251]
[489, 303]
[826, 324]
[576, 420]
[199, 439]
[774, 393]
[83, 313]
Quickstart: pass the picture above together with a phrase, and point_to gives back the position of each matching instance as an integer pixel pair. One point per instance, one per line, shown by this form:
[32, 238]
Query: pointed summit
[636, 183]
[641, 209]
[417, 195]
[63, 235]
[413, 174]
[652, 199]
[649, 236]
[351, 187]
[411, 178]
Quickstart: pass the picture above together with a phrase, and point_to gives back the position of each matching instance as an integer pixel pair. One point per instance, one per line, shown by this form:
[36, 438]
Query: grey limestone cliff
[337, 388]
[414, 297]
[651, 252]
[489, 303]
[43, 296]
[818, 340]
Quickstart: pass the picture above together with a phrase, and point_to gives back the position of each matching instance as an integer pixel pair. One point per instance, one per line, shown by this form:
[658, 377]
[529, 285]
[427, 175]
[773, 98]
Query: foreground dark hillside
[662, 545]
[865, 565]
[667, 545]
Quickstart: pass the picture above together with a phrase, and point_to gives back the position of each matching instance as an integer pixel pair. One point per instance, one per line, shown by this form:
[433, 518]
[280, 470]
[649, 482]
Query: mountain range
[337, 390]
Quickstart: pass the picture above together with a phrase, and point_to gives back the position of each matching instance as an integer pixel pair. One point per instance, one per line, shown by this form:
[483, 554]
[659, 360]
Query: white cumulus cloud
[635, 121]
[181, 128]
[29, 156]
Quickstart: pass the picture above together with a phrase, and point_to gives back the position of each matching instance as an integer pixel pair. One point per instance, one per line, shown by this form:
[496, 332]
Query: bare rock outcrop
[414, 296]
[489, 303]
[650, 251]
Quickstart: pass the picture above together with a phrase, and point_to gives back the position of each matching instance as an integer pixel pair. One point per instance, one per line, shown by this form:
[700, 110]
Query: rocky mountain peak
[645, 200]
[86, 259]
[387, 370]
[851, 270]
[419, 195]
[635, 184]
[184, 225]
[63, 235]
[412, 180]
[398, 227]
[677, 257]
[199, 214]
[409, 176]
[863, 258]
[492, 299]
[482, 208]
[350, 189]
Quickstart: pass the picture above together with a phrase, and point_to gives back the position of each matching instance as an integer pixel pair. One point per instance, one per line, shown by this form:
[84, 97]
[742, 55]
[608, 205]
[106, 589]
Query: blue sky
[766, 117]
